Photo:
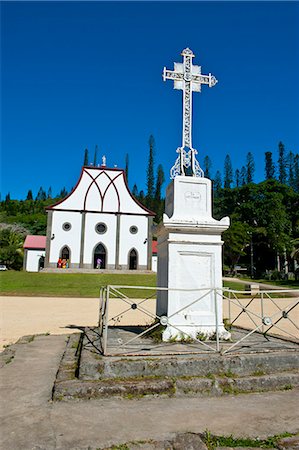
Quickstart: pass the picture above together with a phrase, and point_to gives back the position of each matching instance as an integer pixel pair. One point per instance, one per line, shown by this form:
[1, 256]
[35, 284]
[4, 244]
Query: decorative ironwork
[188, 78]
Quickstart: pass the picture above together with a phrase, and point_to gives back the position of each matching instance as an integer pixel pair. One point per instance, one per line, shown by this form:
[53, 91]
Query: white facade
[190, 257]
[100, 221]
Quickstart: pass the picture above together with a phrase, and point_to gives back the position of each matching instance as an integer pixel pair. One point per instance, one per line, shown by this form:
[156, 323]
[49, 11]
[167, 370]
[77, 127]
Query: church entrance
[99, 257]
[41, 263]
[133, 260]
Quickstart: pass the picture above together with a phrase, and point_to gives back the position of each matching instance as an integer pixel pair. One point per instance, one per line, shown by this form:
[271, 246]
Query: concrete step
[176, 376]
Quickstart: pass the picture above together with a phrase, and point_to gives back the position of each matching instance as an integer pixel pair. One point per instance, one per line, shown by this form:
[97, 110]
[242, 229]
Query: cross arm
[172, 75]
[205, 79]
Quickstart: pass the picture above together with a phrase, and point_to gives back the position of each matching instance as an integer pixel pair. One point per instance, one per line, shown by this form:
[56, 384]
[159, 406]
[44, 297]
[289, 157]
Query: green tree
[228, 172]
[127, 167]
[150, 178]
[250, 167]
[236, 239]
[282, 172]
[95, 158]
[237, 178]
[135, 190]
[243, 176]
[63, 193]
[207, 164]
[296, 172]
[85, 162]
[41, 195]
[290, 169]
[11, 248]
[269, 166]
[29, 195]
[49, 195]
[217, 183]
[159, 203]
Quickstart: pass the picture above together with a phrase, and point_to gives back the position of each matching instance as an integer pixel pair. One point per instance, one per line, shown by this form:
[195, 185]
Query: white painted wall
[32, 262]
[92, 238]
[129, 241]
[71, 238]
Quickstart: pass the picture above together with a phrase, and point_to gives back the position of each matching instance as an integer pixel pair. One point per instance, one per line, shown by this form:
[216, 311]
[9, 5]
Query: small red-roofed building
[34, 253]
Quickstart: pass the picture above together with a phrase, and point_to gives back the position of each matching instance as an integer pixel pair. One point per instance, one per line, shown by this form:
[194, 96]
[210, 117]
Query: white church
[99, 225]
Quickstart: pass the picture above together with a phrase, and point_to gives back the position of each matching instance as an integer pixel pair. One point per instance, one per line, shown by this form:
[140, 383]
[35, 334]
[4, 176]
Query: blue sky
[77, 74]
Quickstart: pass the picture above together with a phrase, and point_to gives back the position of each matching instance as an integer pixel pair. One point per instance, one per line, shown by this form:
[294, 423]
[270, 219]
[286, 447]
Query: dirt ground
[22, 316]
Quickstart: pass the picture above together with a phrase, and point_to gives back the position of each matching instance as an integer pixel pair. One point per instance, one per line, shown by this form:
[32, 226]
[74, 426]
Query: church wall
[130, 241]
[70, 238]
[92, 238]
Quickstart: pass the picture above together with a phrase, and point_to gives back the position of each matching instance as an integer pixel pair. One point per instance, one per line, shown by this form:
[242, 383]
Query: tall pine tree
[85, 162]
[95, 158]
[217, 182]
[150, 178]
[159, 203]
[290, 166]
[237, 178]
[135, 190]
[127, 167]
[29, 195]
[250, 167]
[207, 164]
[296, 172]
[269, 166]
[41, 195]
[49, 195]
[228, 172]
[243, 176]
[282, 170]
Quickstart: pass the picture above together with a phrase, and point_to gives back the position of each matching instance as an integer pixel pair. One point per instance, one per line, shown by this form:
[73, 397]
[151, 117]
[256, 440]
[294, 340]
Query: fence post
[229, 308]
[262, 311]
[105, 334]
[216, 319]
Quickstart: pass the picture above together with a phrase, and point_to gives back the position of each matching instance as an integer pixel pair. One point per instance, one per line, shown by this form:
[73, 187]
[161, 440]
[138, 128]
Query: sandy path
[21, 316]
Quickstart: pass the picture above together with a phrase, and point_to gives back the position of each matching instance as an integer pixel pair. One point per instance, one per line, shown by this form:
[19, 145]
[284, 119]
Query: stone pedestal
[190, 258]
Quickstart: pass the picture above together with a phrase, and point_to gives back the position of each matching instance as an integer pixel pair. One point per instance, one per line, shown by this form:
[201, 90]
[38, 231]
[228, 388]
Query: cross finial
[188, 78]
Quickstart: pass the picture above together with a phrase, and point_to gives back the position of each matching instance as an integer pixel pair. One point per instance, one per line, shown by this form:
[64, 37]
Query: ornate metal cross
[188, 78]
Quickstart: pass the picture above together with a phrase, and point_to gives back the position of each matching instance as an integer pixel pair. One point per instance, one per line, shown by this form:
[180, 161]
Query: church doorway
[133, 259]
[65, 253]
[99, 257]
[41, 263]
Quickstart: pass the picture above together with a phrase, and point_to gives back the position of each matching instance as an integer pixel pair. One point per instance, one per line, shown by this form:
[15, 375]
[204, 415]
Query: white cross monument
[188, 78]
[189, 240]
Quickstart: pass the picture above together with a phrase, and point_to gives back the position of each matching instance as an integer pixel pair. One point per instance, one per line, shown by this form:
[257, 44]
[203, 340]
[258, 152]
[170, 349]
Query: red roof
[35, 242]
[154, 246]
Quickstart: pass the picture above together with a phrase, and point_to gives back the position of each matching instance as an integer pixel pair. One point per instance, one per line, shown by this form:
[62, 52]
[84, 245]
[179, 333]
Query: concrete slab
[30, 420]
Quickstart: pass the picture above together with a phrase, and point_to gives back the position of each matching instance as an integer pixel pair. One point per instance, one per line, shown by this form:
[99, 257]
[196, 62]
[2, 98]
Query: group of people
[63, 263]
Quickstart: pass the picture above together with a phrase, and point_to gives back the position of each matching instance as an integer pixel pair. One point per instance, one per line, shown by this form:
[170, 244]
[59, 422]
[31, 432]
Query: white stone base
[190, 262]
[201, 333]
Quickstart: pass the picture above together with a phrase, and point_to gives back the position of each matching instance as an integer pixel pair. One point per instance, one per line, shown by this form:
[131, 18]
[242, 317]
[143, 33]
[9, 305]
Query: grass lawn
[286, 284]
[75, 285]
